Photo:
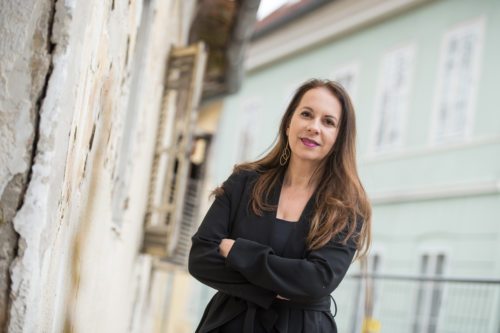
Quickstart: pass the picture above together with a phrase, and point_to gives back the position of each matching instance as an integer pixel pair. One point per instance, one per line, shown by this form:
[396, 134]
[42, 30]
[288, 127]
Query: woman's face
[314, 126]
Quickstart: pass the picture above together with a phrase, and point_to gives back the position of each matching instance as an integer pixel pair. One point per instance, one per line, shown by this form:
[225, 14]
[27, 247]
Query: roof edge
[294, 15]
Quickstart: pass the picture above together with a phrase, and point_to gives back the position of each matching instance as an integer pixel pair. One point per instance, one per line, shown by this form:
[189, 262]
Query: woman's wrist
[225, 246]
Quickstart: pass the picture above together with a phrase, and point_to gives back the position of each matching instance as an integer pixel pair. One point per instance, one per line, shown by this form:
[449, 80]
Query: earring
[285, 155]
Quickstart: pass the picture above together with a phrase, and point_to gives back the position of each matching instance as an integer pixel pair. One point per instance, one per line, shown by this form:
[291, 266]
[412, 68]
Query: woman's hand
[225, 246]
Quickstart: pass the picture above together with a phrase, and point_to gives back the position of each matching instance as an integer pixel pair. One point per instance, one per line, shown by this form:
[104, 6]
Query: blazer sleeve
[315, 276]
[207, 265]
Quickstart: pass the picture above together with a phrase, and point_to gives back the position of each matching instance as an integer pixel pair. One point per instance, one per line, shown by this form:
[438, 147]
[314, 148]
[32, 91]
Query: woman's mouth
[309, 142]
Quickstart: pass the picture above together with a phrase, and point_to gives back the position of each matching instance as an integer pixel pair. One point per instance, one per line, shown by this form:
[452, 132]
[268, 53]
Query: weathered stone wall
[25, 58]
[80, 88]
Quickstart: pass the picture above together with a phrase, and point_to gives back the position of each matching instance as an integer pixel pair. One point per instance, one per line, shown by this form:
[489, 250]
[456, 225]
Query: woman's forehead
[321, 99]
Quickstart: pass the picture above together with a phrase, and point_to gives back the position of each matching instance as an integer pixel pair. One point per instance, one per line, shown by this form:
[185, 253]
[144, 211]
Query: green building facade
[424, 79]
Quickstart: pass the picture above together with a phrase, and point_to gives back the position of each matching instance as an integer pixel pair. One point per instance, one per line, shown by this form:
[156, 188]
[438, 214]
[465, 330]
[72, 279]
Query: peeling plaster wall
[84, 96]
[24, 66]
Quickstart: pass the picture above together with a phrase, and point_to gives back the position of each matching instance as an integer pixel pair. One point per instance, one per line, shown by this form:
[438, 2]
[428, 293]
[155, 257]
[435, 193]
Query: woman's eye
[330, 122]
[305, 113]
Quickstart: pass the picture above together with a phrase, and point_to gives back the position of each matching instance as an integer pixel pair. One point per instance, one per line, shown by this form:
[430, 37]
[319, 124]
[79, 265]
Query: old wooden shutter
[169, 174]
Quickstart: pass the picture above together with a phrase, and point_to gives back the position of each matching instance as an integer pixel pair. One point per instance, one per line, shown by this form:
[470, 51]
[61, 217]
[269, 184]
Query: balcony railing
[420, 304]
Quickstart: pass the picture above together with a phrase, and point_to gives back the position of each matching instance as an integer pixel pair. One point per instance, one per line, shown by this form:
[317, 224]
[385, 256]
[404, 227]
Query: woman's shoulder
[241, 176]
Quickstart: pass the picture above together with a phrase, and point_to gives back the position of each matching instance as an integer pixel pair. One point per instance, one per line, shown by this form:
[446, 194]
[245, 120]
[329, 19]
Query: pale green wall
[418, 166]
[423, 26]
[466, 228]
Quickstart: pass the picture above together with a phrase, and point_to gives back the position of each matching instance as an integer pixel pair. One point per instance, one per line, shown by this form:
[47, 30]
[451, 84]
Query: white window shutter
[249, 128]
[347, 76]
[457, 83]
[392, 101]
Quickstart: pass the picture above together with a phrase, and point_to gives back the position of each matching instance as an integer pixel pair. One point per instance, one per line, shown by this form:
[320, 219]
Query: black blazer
[249, 279]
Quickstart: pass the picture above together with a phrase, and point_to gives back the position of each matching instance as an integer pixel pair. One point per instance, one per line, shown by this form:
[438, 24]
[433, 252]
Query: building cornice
[419, 152]
[332, 21]
[491, 187]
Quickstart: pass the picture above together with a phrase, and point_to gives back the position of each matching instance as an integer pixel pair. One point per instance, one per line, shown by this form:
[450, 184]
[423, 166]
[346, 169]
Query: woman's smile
[309, 143]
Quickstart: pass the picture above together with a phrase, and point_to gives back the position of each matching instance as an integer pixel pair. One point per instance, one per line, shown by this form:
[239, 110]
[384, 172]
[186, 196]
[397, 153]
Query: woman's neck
[301, 175]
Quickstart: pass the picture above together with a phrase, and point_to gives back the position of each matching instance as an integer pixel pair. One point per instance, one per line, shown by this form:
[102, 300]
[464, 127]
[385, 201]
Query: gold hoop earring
[285, 155]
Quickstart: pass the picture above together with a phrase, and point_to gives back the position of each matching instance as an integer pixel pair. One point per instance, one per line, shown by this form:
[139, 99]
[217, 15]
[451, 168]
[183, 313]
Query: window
[429, 293]
[347, 77]
[169, 179]
[392, 100]
[248, 134]
[374, 268]
[368, 291]
[457, 83]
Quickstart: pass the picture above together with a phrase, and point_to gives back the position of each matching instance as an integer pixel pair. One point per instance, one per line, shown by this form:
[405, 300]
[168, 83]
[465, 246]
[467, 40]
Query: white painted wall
[79, 266]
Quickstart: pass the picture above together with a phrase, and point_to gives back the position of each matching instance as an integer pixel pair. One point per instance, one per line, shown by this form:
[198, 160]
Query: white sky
[268, 6]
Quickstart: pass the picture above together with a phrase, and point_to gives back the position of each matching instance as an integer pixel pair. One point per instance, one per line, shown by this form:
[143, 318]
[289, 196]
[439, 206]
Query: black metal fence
[419, 304]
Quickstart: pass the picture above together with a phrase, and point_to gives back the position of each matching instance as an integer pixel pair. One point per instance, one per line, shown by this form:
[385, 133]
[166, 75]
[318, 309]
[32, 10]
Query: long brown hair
[340, 199]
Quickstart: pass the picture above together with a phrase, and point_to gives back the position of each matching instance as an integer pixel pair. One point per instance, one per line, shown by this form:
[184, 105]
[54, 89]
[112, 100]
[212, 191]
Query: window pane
[457, 82]
[392, 103]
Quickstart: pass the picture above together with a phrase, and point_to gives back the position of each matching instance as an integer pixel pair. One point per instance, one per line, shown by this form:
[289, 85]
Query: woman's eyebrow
[331, 116]
[312, 110]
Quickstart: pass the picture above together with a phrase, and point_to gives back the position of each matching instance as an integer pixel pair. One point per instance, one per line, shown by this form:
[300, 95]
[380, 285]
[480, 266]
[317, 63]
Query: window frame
[351, 67]
[435, 138]
[251, 109]
[433, 252]
[374, 149]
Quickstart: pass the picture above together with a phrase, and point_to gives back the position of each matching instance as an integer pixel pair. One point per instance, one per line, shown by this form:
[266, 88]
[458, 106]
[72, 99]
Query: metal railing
[420, 304]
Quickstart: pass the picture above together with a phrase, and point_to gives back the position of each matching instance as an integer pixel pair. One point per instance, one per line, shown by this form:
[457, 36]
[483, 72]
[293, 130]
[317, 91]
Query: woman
[283, 230]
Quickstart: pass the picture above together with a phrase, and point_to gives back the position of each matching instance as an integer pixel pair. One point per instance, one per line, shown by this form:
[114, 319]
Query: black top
[282, 230]
[257, 270]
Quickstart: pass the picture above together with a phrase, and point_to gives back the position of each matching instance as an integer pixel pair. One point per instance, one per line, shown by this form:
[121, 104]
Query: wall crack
[37, 65]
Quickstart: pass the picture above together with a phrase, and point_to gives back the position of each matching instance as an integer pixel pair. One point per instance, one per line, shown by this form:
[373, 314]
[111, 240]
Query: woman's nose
[313, 127]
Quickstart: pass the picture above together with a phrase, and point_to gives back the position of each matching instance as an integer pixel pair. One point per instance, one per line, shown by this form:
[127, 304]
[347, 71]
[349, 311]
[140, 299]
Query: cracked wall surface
[76, 78]
[24, 67]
